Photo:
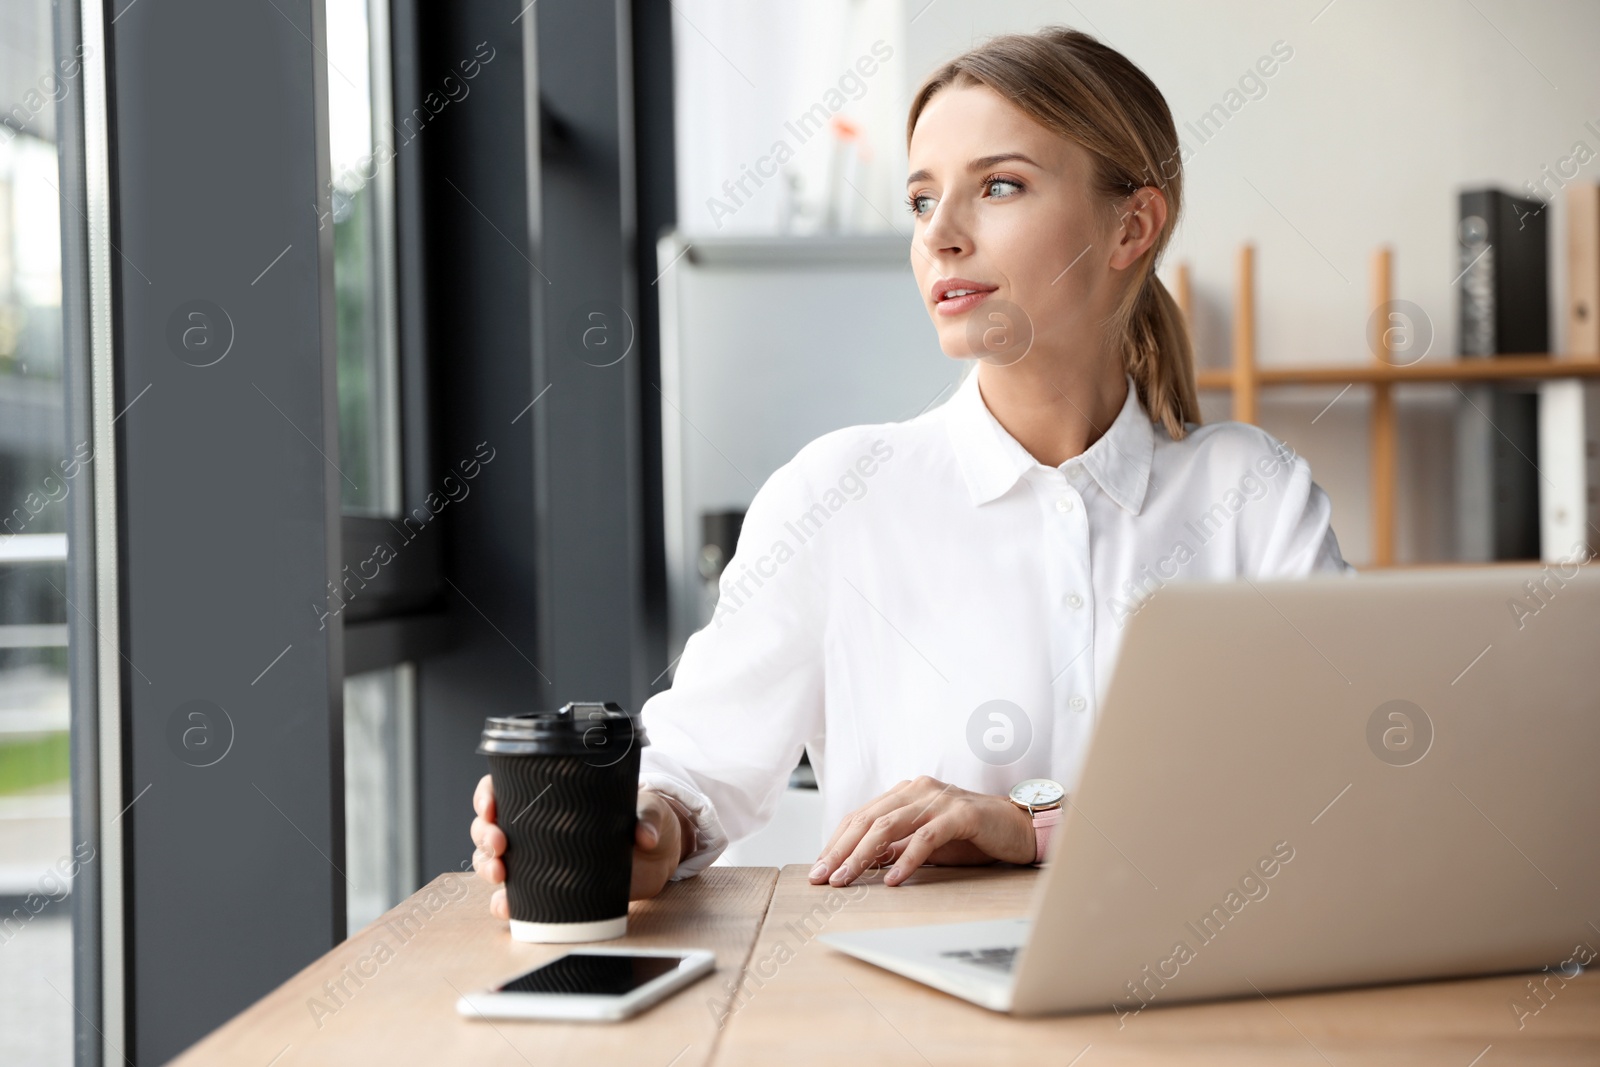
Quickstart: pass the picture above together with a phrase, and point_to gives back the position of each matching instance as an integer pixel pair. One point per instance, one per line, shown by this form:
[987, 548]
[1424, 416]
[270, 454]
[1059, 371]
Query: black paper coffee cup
[565, 788]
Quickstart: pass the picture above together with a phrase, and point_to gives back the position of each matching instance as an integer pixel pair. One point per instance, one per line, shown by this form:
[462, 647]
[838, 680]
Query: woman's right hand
[658, 845]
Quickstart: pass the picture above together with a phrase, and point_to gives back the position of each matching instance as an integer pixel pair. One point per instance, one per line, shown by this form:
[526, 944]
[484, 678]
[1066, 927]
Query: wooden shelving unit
[1246, 378]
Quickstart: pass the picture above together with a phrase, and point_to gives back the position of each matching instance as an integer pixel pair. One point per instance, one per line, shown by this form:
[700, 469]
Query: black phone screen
[592, 975]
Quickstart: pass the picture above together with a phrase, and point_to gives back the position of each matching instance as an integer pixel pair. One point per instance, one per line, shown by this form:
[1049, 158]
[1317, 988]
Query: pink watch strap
[1044, 823]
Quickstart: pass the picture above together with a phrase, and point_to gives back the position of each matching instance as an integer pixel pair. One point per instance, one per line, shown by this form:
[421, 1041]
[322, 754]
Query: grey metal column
[479, 281]
[585, 432]
[229, 507]
[532, 315]
[657, 197]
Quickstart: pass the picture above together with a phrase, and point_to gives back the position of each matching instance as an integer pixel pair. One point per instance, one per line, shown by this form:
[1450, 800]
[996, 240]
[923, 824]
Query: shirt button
[1064, 504]
[1078, 703]
[1075, 600]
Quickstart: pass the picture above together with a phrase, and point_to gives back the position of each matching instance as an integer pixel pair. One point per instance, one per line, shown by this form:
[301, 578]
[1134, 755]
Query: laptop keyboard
[996, 959]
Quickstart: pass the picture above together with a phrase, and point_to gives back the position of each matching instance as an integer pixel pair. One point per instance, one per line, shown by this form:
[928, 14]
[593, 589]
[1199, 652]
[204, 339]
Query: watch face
[1038, 792]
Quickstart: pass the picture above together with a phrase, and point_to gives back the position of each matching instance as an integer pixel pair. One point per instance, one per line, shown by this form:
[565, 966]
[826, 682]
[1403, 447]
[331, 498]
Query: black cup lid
[605, 731]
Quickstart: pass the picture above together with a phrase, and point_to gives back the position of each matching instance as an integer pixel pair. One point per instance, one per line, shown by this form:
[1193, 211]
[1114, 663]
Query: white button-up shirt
[925, 597]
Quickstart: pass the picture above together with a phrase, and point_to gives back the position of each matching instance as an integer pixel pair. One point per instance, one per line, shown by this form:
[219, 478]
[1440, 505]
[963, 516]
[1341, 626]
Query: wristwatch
[1041, 799]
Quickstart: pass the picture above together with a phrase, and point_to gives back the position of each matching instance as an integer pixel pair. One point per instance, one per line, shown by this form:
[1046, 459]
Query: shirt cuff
[710, 839]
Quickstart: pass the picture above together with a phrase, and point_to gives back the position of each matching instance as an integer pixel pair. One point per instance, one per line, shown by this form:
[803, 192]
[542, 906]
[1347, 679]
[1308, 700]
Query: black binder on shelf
[1504, 308]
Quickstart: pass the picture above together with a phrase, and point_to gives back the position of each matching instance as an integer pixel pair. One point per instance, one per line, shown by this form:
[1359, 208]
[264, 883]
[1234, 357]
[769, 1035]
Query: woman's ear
[1144, 213]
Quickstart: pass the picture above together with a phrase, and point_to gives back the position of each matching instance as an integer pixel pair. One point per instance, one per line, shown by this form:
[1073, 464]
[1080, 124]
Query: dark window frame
[397, 610]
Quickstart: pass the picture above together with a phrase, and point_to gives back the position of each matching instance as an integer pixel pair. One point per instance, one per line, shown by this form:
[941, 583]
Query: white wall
[1363, 137]
[746, 72]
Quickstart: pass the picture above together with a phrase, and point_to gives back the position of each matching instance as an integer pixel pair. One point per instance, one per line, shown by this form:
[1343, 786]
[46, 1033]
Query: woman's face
[1002, 207]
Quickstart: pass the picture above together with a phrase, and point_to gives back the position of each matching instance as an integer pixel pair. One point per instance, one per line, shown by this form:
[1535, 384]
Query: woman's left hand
[925, 821]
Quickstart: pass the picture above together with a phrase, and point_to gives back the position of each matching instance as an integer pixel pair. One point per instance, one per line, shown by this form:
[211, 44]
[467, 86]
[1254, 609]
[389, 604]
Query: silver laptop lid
[1330, 782]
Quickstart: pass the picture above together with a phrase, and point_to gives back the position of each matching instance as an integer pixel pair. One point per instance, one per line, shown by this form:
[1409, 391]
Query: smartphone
[595, 985]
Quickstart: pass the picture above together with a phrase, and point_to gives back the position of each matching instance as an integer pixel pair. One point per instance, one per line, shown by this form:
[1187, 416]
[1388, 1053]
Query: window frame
[399, 613]
[88, 378]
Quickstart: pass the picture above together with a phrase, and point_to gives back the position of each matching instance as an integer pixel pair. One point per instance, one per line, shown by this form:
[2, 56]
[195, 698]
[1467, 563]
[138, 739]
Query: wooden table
[397, 1004]
[779, 998]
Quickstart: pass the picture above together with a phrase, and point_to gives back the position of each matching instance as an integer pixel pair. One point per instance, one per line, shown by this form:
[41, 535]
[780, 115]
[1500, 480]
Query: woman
[932, 608]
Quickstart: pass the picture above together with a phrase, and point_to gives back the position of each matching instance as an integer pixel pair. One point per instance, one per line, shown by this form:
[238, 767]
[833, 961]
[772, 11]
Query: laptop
[1313, 784]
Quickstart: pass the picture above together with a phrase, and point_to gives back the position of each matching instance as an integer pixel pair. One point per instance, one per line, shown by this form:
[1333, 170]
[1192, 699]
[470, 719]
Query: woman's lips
[959, 304]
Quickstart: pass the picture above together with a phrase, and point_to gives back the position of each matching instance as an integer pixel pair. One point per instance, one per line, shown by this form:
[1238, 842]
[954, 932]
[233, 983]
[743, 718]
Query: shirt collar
[992, 460]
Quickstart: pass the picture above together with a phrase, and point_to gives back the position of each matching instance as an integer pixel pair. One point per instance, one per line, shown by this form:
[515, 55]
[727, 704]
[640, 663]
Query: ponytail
[1158, 355]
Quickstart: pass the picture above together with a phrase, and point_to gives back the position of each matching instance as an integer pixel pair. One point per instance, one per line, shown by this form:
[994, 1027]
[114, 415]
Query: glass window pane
[36, 853]
[379, 792]
[363, 267]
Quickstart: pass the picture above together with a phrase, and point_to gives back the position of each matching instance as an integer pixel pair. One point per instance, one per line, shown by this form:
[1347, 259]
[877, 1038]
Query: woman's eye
[919, 204]
[1000, 188]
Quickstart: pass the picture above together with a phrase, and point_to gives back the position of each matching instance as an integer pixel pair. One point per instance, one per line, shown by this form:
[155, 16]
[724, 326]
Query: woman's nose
[946, 233]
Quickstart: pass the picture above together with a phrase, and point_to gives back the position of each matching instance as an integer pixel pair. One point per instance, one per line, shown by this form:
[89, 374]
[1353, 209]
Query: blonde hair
[1095, 97]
